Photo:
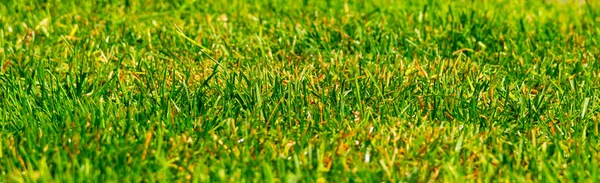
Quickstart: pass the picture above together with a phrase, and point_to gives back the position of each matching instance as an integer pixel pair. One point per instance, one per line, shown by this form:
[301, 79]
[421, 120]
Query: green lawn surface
[299, 91]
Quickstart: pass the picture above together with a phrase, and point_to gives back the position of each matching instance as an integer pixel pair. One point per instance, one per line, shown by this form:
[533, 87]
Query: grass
[306, 91]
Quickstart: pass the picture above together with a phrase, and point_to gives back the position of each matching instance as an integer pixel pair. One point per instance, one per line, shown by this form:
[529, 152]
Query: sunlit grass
[309, 91]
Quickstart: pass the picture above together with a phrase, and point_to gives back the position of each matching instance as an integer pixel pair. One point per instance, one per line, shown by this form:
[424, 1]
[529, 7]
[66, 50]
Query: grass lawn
[299, 91]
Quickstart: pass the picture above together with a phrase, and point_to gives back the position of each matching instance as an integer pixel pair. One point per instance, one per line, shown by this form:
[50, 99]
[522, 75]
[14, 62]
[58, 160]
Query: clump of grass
[312, 91]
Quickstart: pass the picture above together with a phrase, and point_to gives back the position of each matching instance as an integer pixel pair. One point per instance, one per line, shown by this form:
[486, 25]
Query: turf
[299, 91]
